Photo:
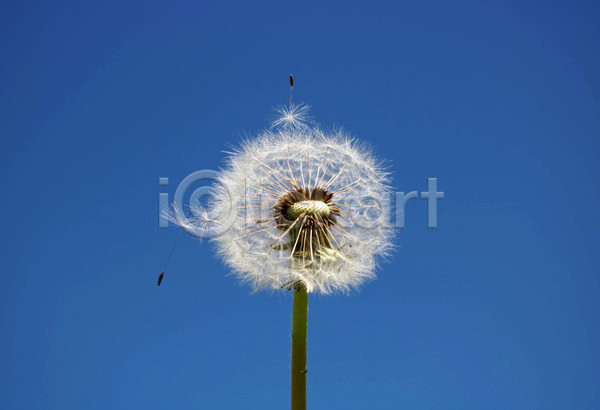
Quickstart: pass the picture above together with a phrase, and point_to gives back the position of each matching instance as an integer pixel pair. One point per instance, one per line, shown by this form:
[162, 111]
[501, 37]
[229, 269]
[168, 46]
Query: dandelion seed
[291, 89]
[295, 117]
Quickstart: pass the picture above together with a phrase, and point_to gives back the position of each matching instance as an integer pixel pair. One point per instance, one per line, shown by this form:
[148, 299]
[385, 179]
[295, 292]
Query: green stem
[299, 325]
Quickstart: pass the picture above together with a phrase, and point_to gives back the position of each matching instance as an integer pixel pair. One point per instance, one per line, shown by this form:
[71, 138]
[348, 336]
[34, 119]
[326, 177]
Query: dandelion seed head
[298, 205]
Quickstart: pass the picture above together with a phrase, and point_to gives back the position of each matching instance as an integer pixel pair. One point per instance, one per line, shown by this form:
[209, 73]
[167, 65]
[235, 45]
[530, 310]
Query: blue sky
[497, 308]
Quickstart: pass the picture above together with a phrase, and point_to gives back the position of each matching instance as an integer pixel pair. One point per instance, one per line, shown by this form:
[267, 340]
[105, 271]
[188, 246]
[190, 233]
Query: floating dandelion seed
[294, 117]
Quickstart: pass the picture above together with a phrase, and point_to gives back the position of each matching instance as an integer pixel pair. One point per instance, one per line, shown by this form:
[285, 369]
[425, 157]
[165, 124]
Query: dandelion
[297, 208]
[296, 205]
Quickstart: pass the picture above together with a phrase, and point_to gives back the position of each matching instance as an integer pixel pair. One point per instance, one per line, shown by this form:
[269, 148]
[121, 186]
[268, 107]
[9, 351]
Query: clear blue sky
[495, 309]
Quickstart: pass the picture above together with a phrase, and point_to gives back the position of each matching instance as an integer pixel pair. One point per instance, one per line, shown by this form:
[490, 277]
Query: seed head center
[310, 207]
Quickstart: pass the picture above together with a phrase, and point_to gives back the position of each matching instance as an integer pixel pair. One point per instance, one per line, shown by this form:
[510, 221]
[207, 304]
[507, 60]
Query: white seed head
[297, 205]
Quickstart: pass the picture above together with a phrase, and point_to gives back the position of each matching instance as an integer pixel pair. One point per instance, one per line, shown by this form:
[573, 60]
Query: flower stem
[299, 326]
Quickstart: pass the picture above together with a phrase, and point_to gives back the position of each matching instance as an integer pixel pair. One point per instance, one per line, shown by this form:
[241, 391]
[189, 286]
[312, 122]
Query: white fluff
[240, 219]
